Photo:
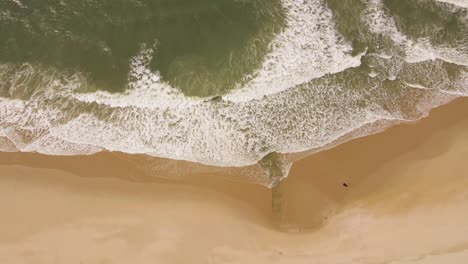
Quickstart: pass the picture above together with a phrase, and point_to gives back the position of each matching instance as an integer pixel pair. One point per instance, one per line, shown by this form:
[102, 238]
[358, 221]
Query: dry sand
[406, 202]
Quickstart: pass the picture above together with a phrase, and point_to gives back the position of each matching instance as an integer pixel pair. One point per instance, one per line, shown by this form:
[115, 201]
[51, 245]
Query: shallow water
[222, 83]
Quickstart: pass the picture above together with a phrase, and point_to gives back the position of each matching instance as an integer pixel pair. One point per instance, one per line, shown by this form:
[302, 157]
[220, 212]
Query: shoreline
[363, 159]
[132, 167]
[409, 182]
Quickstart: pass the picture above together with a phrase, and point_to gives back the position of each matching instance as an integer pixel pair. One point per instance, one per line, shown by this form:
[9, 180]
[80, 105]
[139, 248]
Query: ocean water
[222, 83]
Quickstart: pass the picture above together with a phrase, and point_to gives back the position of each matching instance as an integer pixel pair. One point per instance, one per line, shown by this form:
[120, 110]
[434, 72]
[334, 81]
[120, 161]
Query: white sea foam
[18, 2]
[147, 89]
[380, 22]
[459, 3]
[214, 133]
[290, 106]
[417, 86]
[308, 48]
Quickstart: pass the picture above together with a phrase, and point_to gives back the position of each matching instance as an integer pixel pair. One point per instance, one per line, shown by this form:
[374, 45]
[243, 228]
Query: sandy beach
[406, 201]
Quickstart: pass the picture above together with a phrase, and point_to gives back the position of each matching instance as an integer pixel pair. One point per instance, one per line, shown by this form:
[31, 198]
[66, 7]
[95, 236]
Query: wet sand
[406, 201]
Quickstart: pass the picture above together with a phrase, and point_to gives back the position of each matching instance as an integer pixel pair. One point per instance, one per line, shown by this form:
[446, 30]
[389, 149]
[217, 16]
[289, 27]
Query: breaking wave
[314, 89]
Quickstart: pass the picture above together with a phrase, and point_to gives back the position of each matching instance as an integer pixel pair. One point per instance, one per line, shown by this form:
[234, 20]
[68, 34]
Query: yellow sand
[406, 202]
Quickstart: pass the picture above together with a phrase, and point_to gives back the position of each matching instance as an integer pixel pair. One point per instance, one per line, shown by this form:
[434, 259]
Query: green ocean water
[204, 47]
[222, 82]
